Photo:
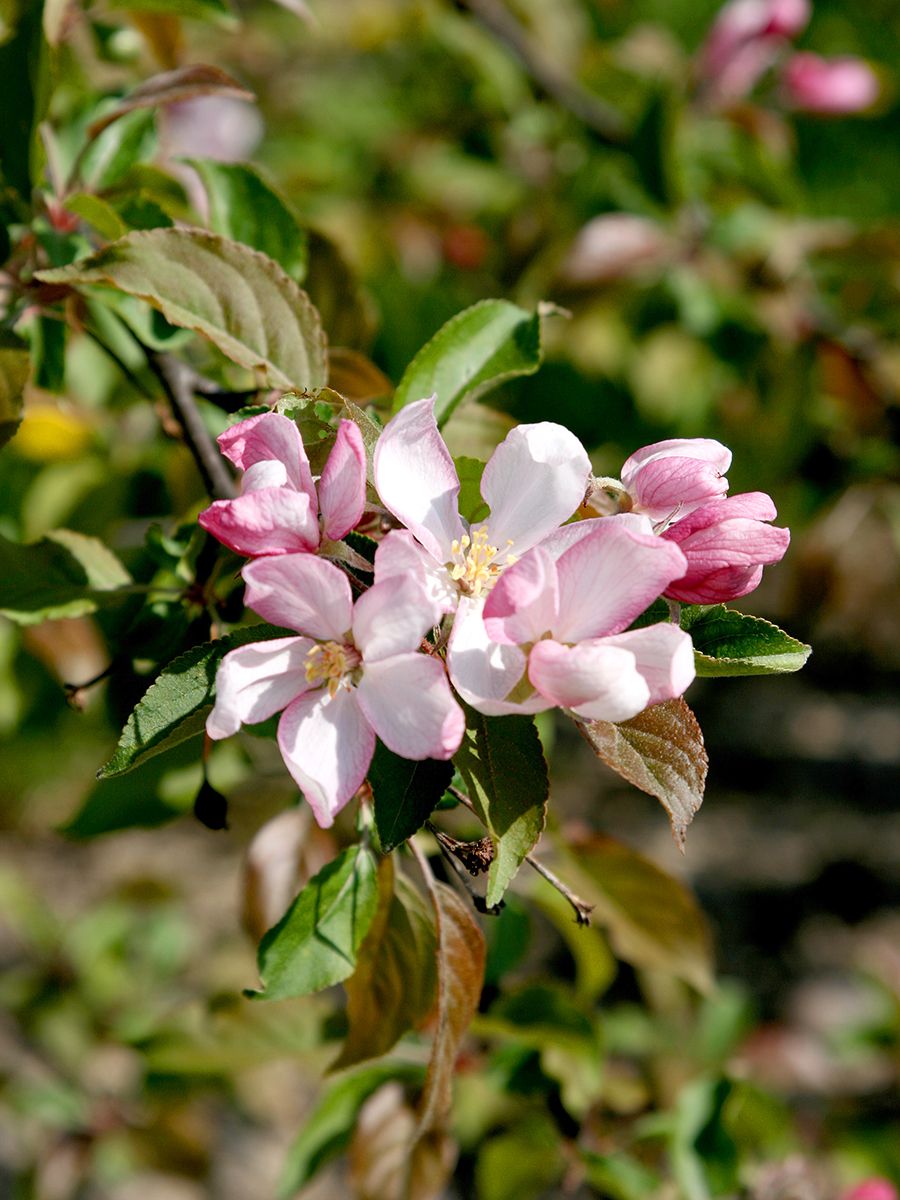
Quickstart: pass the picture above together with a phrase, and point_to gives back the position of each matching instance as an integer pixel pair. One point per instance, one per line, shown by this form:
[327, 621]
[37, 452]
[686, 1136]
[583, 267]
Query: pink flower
[355, 671]
[553, 627]
[876, 1188]
[279, 509]
[726, 543]
[668, 480]
[535, 480]
[745, 40]
[836, 85]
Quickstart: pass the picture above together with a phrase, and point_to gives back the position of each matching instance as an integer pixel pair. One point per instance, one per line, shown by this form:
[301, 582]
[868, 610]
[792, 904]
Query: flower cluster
[521, 611]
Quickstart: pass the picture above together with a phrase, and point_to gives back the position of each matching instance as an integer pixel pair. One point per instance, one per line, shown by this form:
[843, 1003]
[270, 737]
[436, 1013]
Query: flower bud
[744, 41]
[835, 85]
[668, 480]
[727, 543]
[875, 1188]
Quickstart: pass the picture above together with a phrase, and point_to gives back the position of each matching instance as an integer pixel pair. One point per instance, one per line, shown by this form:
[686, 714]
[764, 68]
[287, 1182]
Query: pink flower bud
[615, 246]
[668, 480]
[727, 543]
[829, 85]
[744, 41]
[872, 1189]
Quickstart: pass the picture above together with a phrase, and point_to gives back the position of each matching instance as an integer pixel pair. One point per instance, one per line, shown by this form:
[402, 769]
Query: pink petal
[416, 480]
[673, 486]
[271, 521]
[609, 578]
[408, 702]
[534, 480]
[664, 655]
[327, 745]
[302, 592]
[485, 672]
[254, 682]
[392, 617]
[557, 543]
[836, 85]
[400, 554]
[523, 604]
[702, 449]
[716, 586]
[753, 506]
[738, 542]
[342, 488]
[594, 679]
[270, 435]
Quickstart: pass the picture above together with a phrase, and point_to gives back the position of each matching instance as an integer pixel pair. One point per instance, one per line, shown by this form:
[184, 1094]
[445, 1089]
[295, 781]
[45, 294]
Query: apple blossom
[280, 510]
[822, 85]
[744, 42]
[534, 480]
[668, 480]
[355, 671]
[553, 629]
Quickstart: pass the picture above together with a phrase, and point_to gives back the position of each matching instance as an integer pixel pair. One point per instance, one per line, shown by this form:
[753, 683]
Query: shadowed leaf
[405, 793]
[65, 574]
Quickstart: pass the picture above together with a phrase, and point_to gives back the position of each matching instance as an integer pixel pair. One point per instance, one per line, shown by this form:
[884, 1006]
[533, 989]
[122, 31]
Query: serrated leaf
[502, 764]
[246, 209]
[327, 1130]
[405, 793]
[660, 751]
[238, 298]
[172, 87]
[14, 367]
[65, 574]
[652, 919]
[392, 989]
[315, 944]
[174, 707]
[475, 351]
[727, 642]
[460, 965]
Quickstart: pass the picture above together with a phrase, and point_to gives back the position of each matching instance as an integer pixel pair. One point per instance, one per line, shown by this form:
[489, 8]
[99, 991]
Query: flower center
[330, 664]
[473, 564]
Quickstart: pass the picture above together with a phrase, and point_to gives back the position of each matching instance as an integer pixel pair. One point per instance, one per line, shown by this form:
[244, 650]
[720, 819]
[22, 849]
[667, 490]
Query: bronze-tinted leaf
[381, 1165]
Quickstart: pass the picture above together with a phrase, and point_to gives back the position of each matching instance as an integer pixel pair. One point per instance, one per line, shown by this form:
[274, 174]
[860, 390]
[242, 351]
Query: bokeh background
[727, 269]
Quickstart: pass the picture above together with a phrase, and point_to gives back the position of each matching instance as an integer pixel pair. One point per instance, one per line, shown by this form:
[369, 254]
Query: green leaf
[116, 150]
[316, 942]
[502, 764]
[727, 642]
[98, 213]
[653, 921]
[14, 368]
[619, 1176]
[405, 793]
[47, 338]
[238, 298]
[474, 352]
[65, 574]
[23, 96]
[175, 706]
[471, 505]
[522, 1164]
[172, 87]
[245, 209]
[660, 751]
[327, 1130]
[215, 12]
[392, 989]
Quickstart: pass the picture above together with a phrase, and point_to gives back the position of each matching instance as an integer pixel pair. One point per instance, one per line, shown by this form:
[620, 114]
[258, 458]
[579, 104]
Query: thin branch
[604, 121]
[178, 384]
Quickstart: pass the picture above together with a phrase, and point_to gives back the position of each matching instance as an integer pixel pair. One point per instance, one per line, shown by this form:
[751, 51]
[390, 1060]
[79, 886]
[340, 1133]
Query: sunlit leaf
[503, 766]
[216, 12]
[727, 642]
[660, 751]
[521, 1164]
[238, 298]
[474, 352]
[98, 213]
[172, 87]
[315, 944]
[65, 574]
[405, 793]
[14, 368]
[392, 989]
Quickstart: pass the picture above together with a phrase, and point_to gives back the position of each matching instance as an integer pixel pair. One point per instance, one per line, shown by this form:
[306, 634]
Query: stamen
[331, 664]
[474, 567]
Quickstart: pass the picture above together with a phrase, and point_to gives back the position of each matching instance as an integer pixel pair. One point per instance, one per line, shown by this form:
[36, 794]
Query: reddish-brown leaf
[171, 87]
[381, 1165]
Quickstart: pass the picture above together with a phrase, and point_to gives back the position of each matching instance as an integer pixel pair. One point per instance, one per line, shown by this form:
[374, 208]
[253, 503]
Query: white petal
[301, 592]
[400, 554]
[392, 617]
[254, 682]
[522, 606]
[266, 437]
[664, 655]
[594, 680]
[267, 473]
[485, 672]
[535, 480]
[416, 479]
[327, 745]
[560, 540]
[408, 702]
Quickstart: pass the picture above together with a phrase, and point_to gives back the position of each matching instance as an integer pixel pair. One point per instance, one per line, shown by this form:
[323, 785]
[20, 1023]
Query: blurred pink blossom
[823, 85]
[744, 42]
[615, 246]
[219, 127]
[872, 1189]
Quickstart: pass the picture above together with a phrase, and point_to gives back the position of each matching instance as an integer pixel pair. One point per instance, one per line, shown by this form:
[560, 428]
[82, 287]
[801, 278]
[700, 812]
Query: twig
[462, 866]
[580, 907]
[177, 382]
[602, 119]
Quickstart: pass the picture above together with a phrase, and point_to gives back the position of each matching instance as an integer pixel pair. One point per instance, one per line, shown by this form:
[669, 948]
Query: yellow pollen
[473, 566]
[329, 663]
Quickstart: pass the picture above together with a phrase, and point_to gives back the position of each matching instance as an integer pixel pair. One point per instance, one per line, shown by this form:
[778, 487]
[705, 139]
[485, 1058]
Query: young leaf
[460, 966]
[653, 921]
[238, 298]
[405, 793]
[98, 213]
[660, 751]
[244, 208]
[315, 943]
[327, 1131]
[727, 642]
[65, 574]
[14, 367]
[392, 989]
[474, 352]
[175, 707]
[503, 767]
[172, 87]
